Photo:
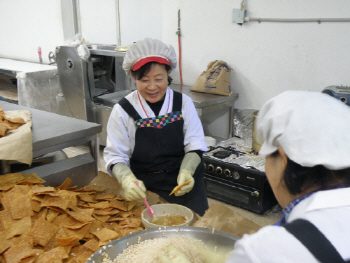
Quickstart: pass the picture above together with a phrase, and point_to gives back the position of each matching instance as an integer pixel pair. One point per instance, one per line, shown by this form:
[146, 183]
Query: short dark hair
[298, 178]
[138, 74]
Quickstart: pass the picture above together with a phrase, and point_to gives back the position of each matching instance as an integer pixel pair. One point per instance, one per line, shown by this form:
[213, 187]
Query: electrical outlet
[238, 16]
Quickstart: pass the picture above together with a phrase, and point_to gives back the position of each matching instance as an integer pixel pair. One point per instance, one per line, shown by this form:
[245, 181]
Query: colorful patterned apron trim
[159, 121]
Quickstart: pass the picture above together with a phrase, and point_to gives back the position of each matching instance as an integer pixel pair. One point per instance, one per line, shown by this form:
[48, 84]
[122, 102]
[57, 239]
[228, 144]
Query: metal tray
[207, 235]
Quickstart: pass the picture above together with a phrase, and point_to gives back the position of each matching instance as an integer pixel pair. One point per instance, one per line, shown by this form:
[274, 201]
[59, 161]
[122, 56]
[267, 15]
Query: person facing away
[307, 147]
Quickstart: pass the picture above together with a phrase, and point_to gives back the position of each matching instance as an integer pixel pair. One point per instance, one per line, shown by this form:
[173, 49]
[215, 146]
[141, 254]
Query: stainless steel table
[11, 66]
[52, 132]
[206, 103]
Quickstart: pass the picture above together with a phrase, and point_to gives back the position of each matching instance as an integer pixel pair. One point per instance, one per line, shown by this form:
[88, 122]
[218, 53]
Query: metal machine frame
[92, 86]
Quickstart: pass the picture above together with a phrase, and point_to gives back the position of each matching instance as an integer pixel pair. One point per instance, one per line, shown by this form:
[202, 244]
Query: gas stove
[237, 177]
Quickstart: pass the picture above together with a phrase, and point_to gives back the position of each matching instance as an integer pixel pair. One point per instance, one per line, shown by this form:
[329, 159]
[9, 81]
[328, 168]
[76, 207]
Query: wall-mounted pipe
[178, 33]
[317, 20]
[76, 16]
[242, 4]
[70, 19]
[118, 22]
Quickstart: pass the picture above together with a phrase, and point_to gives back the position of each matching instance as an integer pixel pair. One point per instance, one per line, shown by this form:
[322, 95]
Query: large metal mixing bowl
[207, 235]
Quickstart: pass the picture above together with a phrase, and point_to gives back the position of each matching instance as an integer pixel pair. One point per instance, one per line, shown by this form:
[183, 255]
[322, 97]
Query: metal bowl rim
[162, 230]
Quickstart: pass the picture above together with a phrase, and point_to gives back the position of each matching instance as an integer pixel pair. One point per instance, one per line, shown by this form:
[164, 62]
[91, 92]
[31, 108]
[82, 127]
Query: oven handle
[252, 192]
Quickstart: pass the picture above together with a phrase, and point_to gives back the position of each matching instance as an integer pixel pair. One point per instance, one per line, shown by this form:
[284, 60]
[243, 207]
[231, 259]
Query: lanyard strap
[314, 241]
[129, 109]
[138, 96]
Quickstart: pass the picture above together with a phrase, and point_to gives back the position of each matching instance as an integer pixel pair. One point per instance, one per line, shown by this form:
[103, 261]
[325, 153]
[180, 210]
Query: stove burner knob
[236, 175]
[255, 194]
[227, 172]
[211, 168]
[218, 170]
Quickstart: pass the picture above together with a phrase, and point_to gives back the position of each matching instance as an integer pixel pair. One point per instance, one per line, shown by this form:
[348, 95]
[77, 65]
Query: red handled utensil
[149, 209]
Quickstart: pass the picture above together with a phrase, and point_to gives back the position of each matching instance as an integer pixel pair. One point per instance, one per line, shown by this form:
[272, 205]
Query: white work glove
[187, 169]
[127, 179]
[173, 255]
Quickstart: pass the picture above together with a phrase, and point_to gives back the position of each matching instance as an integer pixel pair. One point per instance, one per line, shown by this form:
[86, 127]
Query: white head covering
[146, 50]
[313, 128]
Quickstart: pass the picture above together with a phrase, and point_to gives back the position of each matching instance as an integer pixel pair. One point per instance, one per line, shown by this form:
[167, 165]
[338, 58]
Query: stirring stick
[149, 209]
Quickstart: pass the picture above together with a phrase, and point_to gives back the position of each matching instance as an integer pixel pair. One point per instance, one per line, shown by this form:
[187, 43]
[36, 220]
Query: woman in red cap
[155, 136]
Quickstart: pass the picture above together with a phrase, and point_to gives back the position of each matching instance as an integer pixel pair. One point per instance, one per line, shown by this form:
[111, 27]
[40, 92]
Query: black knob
[227, 173]
[210, 168]
[218, 170]
[255, 194]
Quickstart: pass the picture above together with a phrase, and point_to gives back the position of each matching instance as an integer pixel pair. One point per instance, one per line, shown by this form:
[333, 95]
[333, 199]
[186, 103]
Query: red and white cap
[146, 51]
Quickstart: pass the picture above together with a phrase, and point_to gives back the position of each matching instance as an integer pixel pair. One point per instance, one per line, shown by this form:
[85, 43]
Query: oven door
[238, 195]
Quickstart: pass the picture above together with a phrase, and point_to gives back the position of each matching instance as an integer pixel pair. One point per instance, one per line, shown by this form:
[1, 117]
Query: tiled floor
[8, 91]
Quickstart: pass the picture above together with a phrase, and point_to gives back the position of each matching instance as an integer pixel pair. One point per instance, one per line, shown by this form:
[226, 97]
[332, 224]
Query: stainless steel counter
[52, 132]
[206, 103]
[11, 66]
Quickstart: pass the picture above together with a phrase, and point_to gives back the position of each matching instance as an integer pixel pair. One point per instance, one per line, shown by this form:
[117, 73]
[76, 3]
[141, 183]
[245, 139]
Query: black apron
[158, 153]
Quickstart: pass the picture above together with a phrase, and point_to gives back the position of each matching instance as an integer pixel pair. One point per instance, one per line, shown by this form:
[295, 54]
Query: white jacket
[121, 128]
[328, 210]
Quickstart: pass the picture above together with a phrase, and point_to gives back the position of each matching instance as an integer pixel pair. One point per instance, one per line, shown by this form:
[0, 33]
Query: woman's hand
[127, 179]
[184, 177]
[132, 191]
[188, 167]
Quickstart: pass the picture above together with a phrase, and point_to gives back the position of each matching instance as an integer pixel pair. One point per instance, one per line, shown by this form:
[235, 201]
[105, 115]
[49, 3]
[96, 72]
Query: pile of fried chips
[8, 123]
[46, 224]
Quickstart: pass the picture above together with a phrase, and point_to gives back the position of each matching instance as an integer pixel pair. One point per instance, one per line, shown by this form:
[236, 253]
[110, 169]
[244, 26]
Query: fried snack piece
[2, 114]
[178, 188]
[67, 241]
[65, 185]
[50, 224]
[11, 125]
[8, 181]
[104, 196]
[105, 234]
[30, 179]
[4, 243]
[16, 227]
[8, 123]
[21, 207]
[3, 128]
[18, 120]
[20, 251]
[42, 232]
[92, 244]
